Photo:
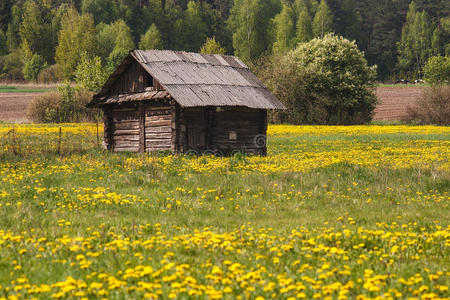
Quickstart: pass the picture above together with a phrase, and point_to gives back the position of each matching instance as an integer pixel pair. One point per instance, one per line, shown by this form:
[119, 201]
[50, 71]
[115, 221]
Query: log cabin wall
[159, 129]
[193, 129]
[165, 126]
[122, 127]
[226, 129]
[235, 128]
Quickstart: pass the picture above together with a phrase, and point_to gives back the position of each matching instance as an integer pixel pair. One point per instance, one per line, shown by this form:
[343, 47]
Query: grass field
[24, 89]
[352, 212]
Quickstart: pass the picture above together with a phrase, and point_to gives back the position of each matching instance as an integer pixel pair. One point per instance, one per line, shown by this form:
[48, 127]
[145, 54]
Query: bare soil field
[13, 106]
[395, 101]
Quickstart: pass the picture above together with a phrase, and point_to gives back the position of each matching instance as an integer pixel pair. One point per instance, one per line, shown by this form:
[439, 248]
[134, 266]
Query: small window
[232, 135]
[148, 80]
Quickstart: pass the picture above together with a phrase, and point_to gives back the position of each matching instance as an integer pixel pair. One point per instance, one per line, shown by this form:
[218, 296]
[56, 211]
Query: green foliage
[90, 74]
[211, 46]
[323, 20]
[12, 34]
[76, 36]
[304, 27]
[51, 74]
[348, 23]
[299, 6]
[325, 81]
[284, 30]
[3, 43]
[33, 67]
[115, 58]
[36, 30]
[103, 11]
[11, 67]
[252, 27]
[444, 36]
[151, 39]
[437, 70]
[124, 39]
[192, 27]
[415, 46]
[115, 37]
[249, 22]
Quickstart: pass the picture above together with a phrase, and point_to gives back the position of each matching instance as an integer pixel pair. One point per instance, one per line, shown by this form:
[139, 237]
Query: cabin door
[196, 129]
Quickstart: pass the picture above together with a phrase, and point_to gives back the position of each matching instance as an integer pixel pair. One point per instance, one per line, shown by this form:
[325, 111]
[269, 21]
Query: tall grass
[344, 212]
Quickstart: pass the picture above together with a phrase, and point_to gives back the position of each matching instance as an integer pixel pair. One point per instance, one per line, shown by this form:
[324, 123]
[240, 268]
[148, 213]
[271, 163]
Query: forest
[46, 40]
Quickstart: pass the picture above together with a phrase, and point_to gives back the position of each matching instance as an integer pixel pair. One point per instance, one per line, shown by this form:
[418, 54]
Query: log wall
[122, 131]
[158, 126]
[227, 129]
[139, 127]
[164, 126]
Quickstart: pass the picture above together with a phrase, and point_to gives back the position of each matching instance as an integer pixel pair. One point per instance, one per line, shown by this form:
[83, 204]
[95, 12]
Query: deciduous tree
[151, 39]
[211, 46]
[249, 22]
[304, 27]
[323, 20]
[284, 24]
[76, 36]
[324, 81]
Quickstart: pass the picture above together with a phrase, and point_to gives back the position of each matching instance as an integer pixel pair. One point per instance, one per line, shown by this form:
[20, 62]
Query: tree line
[52, 39]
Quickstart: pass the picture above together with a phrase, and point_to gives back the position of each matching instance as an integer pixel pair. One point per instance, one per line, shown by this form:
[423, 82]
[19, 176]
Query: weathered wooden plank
[158, 135]
[141, 127]
[130, 138]
[119, 132]
[126, 125]
[158, 118]
[155, 107]
[126, 149]
[158, 123]
[158, 129]
[124, 109]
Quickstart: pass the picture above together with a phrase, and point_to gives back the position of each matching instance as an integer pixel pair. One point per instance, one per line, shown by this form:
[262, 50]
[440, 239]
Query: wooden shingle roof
[194, 79]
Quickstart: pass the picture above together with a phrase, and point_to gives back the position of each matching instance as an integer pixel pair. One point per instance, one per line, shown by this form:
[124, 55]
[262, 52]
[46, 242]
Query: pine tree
[211, 46]
[151, 39]
[304, 27]
[323, 20]
[284, 30]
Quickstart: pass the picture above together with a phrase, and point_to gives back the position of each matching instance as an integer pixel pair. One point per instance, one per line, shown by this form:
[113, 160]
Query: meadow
[356, 212]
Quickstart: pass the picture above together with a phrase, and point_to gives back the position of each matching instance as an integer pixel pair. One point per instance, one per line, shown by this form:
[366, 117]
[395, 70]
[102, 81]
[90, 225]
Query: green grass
[129, 210]
[400, 85]
[14, 89]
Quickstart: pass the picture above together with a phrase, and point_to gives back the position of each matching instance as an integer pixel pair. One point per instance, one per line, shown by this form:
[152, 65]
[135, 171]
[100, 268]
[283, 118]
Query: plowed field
[395, 101]
[13, 106]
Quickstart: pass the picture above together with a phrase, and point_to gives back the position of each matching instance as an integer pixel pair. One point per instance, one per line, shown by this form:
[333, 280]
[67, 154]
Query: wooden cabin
[161, 100]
